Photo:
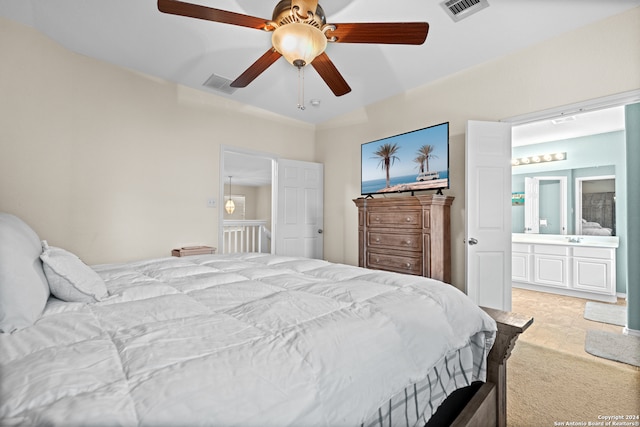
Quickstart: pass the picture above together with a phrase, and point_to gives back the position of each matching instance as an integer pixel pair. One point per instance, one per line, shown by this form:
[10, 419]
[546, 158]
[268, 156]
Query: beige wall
[263, 204]
[592, 62]
[114, 165]
[257, 202]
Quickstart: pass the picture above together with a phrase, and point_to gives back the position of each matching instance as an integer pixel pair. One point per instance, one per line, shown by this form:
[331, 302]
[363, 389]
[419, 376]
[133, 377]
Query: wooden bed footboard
[510, 326]
[485, 404]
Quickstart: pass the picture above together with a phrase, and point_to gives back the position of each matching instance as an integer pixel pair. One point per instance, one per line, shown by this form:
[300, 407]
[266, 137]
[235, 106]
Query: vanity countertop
[568, 240]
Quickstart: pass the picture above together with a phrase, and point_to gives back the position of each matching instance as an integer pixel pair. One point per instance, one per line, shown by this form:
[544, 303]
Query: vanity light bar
[542, 158]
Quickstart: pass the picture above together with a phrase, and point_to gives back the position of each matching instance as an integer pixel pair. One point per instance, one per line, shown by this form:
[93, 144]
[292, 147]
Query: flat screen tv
[412, 161]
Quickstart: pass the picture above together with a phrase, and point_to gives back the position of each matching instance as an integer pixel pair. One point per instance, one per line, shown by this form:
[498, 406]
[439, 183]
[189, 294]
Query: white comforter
[245, 339]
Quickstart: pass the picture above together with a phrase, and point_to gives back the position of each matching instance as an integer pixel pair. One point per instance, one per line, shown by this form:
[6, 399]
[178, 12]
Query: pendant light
[230, 206]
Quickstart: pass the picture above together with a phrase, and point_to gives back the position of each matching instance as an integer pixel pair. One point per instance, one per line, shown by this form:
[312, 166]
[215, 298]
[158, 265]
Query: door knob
[319, 230]
[473, 241]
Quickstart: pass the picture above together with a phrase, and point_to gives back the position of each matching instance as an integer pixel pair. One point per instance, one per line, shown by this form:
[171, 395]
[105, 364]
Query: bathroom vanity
[580, 266]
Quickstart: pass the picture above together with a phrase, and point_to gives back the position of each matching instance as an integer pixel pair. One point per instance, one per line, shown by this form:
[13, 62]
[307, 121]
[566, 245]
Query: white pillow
[69, 278]
[23, 288]
[591, 225]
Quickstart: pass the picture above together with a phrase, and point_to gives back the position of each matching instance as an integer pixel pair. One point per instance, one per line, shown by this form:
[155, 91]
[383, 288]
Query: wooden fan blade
[381, 33]
[330, 74]
[256, 68]
[305, 6]
[175, 7]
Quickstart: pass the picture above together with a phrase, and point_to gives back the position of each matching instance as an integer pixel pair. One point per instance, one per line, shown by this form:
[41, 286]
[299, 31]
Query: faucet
[574, 239]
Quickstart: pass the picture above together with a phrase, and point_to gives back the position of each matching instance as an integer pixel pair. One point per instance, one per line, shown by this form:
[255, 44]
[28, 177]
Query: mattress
[245, 340]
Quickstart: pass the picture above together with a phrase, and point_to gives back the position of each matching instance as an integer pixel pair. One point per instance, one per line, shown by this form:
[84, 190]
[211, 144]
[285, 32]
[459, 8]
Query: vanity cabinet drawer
[557, 250]
[521, 247]
[600, 253]
[412, 241]
[398, 263]
[401, 219]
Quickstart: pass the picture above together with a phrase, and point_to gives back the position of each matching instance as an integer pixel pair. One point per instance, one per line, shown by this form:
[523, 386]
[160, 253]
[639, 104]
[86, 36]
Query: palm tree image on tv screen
[412, 161]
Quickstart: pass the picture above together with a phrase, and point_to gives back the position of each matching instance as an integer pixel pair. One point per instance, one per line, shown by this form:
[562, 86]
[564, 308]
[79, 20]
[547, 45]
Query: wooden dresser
[410, 234]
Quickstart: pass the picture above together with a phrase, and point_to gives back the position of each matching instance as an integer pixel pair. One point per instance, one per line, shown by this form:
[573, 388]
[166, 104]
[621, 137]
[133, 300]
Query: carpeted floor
[548, 387]
[552, 379]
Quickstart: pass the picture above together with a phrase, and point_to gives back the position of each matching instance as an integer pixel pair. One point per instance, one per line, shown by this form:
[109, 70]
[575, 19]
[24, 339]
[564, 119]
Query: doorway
[246, 179]
[593, 143]
[282, 204]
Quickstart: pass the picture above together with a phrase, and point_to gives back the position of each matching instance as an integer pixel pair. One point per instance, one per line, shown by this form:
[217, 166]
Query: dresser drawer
[409, 241]
[401, 219]
[398, 263]
[406, 234]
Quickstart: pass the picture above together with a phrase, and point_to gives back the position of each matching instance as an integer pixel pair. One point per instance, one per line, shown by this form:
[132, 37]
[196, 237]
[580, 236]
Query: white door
[488, 214]
[531, 206]
[299, 218]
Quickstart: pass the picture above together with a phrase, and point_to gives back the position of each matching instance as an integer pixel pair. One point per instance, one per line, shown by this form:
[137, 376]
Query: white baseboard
[621, 295]
[633, 332]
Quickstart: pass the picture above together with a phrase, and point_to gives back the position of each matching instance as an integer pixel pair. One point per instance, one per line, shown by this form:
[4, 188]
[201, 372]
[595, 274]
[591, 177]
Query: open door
[299, 219]
[488, 214]
[545, 205]
[531, 209]
[296, 191]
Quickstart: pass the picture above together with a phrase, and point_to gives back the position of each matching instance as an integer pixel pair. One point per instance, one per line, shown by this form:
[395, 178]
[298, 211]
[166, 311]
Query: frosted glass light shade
[230, 206]
[299, 42]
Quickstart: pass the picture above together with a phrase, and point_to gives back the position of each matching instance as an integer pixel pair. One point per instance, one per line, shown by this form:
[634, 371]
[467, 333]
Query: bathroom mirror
[545, 205]
[577, 201]
[595, 205]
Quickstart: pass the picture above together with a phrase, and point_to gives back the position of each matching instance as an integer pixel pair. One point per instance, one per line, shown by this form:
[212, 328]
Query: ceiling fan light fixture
[299, 43]
[300, 33]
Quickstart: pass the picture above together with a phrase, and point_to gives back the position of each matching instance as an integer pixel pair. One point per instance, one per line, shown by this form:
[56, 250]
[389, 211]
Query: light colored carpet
[606, 313]
[618, 347]
[547, 387]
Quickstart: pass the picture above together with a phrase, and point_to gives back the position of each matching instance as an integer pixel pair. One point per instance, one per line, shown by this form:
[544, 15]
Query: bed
[591, 228]
[243, 339]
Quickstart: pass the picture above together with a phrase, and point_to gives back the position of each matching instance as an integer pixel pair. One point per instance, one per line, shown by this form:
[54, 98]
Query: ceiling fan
[300, 34]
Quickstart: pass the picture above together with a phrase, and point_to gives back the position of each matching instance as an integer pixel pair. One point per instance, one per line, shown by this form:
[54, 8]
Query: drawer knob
[377, 218]
[377, 239]
[408, 242]
[408, 219]
[377, 259]
[408, 265]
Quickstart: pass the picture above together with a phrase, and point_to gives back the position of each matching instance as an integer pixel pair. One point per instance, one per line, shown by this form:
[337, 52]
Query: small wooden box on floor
[193, 250]
[409, 234]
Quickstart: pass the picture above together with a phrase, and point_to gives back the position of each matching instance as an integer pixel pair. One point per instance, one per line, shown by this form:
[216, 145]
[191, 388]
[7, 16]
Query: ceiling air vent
[460, 9]
[219, 83]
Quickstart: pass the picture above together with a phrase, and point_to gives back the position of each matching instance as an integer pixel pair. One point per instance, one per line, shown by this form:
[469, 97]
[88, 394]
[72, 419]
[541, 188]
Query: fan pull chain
[301, 88]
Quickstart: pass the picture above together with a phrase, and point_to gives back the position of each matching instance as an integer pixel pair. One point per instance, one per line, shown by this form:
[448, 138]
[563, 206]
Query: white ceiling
[569, 126]
[254, 171]
[135, 35]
